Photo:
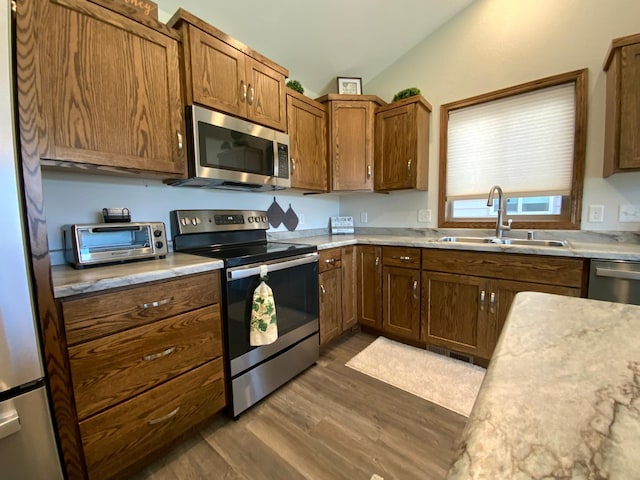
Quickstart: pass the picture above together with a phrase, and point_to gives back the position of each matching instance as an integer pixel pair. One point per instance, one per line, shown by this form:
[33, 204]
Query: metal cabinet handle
[330, 260]
[322, 289]
[377, 261]
[613, 273]
[402, 258]
[492, 302]
[164, 418]
[482, 296]
[415, 289]
[293, 165]
[159, 303]
[252, 95]
[164, 353]
[243, 86]
[409, 168]
[368, 171]
[180, 143]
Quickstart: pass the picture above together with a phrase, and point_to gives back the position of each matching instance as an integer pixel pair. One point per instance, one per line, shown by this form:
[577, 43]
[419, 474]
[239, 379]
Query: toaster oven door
[112, 243]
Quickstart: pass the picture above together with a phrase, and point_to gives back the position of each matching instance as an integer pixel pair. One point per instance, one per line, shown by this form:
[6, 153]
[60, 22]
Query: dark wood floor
[331, 422]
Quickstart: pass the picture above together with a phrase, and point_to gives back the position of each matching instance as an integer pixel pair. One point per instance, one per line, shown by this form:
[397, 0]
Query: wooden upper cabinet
[622, 121]
[350, 141]
[307, 128]
[102, 88]
[402, 145]
[223, 74]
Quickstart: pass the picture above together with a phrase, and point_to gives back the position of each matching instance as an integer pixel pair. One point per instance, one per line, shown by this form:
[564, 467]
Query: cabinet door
[505, 291]
[455, 312]
[351, 145]
[349, 297]
[266, 102]
[370, 286]
[401, 302]
[330, 305]
[630, 108]
[307, 127]
[395, 158]
[109, 88]
[217, 74]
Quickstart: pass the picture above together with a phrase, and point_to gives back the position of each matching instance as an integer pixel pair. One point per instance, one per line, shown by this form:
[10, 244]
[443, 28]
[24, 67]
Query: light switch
[596, 213]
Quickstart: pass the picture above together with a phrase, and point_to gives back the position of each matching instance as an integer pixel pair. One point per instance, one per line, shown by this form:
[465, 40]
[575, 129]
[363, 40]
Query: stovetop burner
[238, 237]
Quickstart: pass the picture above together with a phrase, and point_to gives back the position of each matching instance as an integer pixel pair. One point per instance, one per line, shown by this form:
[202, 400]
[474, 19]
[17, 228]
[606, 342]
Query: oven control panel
[202, 221]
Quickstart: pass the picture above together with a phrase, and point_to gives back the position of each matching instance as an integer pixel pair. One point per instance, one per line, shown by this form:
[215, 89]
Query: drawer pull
[403, 258]
[330, 260]
[377, 261]
[164, 418]
[153, 356]
[159, 303]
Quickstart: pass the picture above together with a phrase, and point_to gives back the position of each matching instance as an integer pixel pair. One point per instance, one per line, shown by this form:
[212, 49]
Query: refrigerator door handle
[9, 424]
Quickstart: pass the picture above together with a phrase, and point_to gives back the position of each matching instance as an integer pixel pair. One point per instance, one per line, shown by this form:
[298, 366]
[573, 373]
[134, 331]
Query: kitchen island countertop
[561, 397]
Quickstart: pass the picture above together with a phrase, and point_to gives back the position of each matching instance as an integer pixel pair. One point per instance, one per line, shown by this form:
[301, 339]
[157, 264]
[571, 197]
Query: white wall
[495, 44]
[79, 198]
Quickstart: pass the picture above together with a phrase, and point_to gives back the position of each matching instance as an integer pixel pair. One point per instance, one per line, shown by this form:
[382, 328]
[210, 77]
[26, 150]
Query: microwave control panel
[283, 160]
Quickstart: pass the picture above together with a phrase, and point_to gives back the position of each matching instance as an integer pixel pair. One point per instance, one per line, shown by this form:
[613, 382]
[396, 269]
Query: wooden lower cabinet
[369, 286]
[330, 305]
[467, 295]
[146, 366]
[123, 435]
[401, 292]
[337, 292]
[401, 302]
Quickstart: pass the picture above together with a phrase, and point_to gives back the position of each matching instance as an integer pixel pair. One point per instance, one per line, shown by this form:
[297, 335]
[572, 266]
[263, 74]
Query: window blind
[523, 143]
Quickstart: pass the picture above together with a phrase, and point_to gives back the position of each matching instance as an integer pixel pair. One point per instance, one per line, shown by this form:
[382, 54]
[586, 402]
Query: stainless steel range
[238, 237]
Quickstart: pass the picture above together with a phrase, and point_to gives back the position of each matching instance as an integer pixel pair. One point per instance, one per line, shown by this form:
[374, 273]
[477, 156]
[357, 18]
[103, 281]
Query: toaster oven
[102, 243]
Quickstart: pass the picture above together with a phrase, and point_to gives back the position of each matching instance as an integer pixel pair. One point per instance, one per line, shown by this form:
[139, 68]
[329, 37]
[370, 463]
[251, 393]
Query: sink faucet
[502, 209]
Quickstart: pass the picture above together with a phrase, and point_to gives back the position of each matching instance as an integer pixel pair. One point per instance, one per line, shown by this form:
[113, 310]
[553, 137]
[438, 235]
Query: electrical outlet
[629, 213]
[596, 213]
[363, 217]
[424, 215]
[301, 218]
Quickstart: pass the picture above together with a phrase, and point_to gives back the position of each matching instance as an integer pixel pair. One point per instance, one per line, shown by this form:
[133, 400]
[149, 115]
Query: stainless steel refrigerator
[27, 442]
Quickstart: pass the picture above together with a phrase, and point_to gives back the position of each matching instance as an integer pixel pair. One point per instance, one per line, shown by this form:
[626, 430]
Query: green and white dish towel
[264, 327]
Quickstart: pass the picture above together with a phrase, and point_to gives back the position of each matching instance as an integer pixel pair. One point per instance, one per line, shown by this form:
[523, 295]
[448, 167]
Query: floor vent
[448, 353]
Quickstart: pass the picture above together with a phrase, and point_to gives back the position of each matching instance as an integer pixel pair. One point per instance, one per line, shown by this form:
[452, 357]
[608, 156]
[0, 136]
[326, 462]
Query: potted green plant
[295, 85]
[406, 93]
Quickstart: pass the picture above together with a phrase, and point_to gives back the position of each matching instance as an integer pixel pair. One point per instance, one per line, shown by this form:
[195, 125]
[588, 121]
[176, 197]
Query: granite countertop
[561, 397]
[69, 281]
[574, 248]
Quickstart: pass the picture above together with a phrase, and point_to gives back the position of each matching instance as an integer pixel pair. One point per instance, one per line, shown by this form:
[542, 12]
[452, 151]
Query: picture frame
[350, 85]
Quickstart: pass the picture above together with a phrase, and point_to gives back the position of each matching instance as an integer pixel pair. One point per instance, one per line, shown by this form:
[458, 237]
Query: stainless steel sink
[506, 241]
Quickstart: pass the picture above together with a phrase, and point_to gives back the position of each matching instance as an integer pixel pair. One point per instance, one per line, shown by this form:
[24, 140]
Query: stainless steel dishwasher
[615, 281]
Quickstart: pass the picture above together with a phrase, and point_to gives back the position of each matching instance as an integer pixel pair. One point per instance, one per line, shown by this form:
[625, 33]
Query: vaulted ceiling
[319, 41]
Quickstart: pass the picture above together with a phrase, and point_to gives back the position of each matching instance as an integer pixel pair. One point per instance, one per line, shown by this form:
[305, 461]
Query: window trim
[572, 220]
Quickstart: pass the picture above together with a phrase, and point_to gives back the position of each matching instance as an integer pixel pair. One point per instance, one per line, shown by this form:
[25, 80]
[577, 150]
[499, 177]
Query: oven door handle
[254, 269]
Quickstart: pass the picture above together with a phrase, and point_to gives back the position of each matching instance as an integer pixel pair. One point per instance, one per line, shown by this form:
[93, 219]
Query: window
[529, 139]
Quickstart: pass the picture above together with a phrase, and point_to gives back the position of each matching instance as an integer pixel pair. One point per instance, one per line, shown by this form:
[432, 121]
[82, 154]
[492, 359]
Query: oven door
[294, 282]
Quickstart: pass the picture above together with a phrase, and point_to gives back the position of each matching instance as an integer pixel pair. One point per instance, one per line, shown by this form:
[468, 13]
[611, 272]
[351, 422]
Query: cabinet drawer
[117, 438]
[97, 315]
[111, 369]
[329, 259]
[525, 268]
[401, 257]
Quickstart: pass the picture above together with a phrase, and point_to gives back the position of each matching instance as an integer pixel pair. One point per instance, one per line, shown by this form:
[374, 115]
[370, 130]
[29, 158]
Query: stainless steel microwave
[101, 243]
[231, 153]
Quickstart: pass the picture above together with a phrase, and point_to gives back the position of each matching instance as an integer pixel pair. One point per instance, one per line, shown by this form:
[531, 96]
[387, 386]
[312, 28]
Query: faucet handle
[508, 226]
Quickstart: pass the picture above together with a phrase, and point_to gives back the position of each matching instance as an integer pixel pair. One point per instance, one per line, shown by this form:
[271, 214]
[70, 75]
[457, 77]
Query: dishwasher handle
[272, 266]
[614, 273]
